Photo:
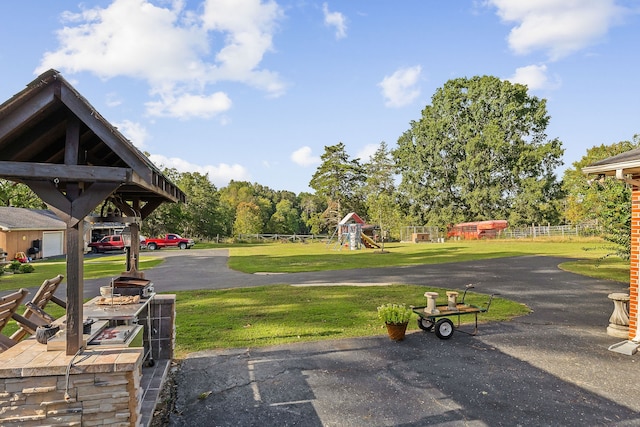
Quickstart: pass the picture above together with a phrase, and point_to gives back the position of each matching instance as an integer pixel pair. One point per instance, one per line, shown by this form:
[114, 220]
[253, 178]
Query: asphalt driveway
[550, 368]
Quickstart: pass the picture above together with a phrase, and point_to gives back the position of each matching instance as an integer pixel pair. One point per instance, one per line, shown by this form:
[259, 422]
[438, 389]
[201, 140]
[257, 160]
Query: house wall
[20, 241]
[634, 279]
[3, 241]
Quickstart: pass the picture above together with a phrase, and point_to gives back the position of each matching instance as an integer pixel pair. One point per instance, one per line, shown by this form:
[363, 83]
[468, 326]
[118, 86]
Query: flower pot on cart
[397, 331]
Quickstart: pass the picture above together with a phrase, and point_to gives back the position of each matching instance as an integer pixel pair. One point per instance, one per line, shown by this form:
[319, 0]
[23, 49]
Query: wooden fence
[281, 237]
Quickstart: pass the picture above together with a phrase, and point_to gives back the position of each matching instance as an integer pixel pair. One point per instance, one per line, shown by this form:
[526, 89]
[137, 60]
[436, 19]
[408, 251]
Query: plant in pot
[396, 317]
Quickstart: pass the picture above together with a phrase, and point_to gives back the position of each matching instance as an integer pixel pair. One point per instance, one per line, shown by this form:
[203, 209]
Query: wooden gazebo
[54, 141]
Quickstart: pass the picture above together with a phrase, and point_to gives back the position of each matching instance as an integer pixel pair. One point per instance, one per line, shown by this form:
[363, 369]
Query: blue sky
[255, 89]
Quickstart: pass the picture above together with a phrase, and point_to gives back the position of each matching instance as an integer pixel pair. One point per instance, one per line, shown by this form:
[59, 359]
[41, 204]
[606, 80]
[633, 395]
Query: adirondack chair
[34, 312]
[8, 306]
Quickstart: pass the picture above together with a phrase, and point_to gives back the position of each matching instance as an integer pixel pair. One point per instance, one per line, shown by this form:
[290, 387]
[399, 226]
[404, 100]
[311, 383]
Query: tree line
[479, 151]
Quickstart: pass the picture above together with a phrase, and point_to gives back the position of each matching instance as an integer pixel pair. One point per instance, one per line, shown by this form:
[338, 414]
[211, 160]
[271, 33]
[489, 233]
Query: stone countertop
[29, 358]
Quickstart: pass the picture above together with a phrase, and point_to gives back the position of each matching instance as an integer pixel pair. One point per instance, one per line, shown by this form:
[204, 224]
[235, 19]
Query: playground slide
[368, 241]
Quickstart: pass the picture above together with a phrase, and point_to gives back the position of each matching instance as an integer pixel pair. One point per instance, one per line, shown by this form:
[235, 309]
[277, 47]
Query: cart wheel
[425, 324]
[444, 329]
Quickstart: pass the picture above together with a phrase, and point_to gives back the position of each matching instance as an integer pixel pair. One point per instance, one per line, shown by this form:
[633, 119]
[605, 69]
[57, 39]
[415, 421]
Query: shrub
[26, 268]
[14, 266]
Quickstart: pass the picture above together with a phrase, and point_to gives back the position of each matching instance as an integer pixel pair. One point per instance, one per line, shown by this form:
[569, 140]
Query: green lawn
[268, 315]
[298, 257]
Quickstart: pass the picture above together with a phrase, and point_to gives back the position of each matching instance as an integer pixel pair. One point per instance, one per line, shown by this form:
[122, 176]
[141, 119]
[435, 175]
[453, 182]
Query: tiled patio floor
[153, 378]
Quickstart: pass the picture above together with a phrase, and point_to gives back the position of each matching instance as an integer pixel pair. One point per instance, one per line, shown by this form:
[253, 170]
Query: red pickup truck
[108, 243]
[169, 241]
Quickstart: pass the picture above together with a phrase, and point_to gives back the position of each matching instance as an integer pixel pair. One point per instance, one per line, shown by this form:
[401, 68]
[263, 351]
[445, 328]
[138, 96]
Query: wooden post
[75, 286]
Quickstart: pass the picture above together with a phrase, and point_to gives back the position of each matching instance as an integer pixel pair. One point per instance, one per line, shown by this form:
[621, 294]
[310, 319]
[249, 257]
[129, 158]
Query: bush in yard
[14, 266]
[26, 268]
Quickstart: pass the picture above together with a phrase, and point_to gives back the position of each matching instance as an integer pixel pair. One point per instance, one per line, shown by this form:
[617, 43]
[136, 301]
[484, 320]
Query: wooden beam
[37, 142]
[72, 141]
[75, 287]
[159, 188]
[114, 139]
[50, 171]
[25, 110]
[91, 197]
[72, 211]
[50, 194]
[149, 207]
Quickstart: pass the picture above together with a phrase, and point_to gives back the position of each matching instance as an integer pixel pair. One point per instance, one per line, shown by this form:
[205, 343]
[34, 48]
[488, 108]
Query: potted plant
[396, 317]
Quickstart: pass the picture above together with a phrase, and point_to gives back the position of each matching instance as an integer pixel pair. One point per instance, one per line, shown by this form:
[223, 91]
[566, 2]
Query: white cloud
[179, 53]
[558, 27]
[535, 77]
[304, 157]
[219, 175]
[134, 132]
[336, 20]
[400, 88]
[187, 105]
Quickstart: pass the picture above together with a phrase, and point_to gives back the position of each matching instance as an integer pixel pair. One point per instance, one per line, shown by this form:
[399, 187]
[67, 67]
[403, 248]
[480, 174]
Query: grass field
[297, 257]
[268, 315]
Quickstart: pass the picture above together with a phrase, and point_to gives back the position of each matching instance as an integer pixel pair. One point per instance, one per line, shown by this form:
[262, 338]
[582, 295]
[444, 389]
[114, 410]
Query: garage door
[52, 243]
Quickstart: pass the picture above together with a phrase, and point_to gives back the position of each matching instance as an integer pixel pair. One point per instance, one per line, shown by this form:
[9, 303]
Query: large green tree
[311, 208]
[480, 152]
[380, 195]
[248, 219]
[338, 179]
[237, 192]
[201, 214]
[18, 195]
[200, 217]
[286, 219]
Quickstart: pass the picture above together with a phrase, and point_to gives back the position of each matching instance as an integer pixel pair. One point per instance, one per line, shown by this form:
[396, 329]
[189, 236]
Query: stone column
[431, 303]
[452, 301]
[619, 320]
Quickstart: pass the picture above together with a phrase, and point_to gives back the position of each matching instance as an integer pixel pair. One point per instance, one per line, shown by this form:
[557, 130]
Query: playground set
[354, 233]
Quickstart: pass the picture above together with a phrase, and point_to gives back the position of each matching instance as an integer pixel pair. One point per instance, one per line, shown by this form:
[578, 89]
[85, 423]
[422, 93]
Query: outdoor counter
[102, 386]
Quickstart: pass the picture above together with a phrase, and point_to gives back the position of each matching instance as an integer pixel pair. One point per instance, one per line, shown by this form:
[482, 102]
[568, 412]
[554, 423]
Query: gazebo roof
[35, 145]
[54, 141]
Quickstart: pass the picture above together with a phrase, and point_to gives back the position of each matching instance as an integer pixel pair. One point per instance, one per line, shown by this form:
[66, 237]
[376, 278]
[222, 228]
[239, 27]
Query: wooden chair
[34, 312]
[8, 306]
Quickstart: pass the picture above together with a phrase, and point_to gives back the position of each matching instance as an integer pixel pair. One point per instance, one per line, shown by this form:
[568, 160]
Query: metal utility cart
[438, 316]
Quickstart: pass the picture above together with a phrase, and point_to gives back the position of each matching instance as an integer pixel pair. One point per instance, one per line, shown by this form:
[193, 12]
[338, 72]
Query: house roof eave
[614, 169]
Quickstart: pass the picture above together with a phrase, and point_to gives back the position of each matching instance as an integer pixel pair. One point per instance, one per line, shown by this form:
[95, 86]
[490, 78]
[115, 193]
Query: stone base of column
[618, 331]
